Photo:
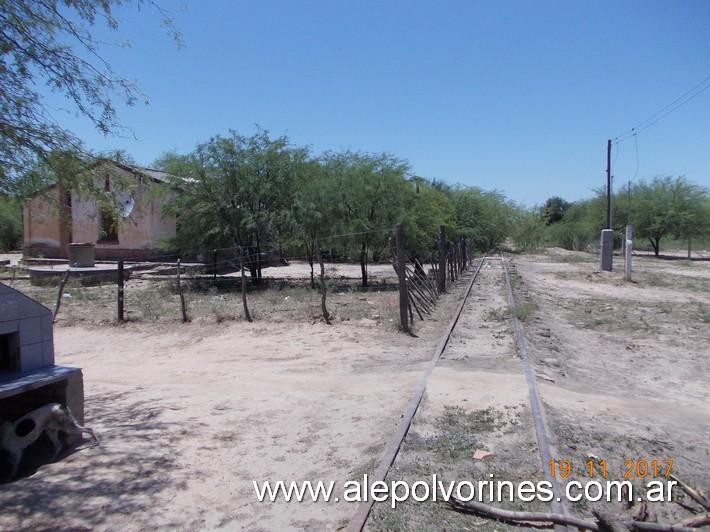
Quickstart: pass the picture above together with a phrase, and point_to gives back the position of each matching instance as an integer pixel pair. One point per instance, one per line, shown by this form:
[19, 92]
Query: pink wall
[41, 234]
[142, 232]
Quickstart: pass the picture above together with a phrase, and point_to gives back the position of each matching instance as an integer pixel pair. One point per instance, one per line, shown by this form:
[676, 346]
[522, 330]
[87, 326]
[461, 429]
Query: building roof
[156, 175]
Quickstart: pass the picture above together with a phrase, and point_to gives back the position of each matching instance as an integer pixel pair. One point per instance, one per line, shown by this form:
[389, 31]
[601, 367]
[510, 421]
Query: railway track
[360, 518]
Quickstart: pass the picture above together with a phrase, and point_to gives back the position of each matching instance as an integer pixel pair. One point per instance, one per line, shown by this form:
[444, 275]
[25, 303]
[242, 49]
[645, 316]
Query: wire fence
[287, 286]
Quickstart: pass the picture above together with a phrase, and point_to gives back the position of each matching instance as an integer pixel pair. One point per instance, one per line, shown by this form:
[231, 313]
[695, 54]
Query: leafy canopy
[50, 43]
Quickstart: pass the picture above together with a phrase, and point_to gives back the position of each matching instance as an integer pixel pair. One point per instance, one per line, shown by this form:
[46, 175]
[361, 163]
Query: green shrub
[10, 223]
[528, 232]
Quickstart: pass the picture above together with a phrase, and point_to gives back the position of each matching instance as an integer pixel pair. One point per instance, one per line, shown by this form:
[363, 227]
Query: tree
[10, 223]
[50, 42]
[691, 205]
[372, 190]
[425, 210]
[527, 229]
[554, 210]
[579, 226]
[484, 217]
[238, 193]
[668, 206]
[316, 210]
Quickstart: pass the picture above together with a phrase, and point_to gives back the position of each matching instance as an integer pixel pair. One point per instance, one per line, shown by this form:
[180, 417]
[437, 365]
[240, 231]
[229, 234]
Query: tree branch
[545, 520]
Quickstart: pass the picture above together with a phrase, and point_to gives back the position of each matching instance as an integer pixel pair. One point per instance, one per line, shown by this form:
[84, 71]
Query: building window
[108, 232]
[108, 228]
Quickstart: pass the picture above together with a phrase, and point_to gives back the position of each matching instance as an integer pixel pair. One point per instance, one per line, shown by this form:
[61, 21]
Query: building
[132, 226]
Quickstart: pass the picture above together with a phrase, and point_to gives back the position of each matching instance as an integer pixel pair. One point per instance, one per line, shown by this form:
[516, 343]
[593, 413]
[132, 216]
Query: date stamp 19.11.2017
[595, 467]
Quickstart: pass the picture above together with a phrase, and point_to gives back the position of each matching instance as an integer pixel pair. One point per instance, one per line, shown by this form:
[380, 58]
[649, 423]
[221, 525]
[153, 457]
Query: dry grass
[158, 301]
[446, 450]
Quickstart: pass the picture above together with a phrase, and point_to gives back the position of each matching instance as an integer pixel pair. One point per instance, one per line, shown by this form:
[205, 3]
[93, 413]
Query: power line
[659, 115]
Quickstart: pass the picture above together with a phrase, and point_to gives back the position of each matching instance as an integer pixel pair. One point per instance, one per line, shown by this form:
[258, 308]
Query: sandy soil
[629, 362]
[476, 399]
[622, 372]
[301, 270]
[14, 258]
[190, 415]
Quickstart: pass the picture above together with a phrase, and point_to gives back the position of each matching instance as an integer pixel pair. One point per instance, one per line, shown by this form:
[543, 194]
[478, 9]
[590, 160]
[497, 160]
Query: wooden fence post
[435, 269]
[183, 306]
[120, 294]
[247, 315]
[441, 281]
[450, 254]
[402, 276]
[464, 252]
[324, 309]
[459, 256]
[63, 282]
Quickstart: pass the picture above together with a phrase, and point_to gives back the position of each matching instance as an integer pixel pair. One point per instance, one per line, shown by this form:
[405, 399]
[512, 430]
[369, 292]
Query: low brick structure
[29, 377]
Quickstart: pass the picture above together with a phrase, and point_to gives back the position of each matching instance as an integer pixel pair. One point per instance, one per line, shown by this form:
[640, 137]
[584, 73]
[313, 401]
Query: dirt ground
[190, 414]
[622, 373]
[629, 362]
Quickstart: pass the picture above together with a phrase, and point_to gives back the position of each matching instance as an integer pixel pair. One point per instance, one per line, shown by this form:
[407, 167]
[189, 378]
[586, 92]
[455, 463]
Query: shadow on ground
[134, 469]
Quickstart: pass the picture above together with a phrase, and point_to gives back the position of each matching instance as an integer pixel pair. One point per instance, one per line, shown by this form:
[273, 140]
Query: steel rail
[538, 413]
[357, 523]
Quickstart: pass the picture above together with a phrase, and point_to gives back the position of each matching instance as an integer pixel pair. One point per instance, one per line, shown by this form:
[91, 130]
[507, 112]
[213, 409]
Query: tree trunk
[247, 315]
[324, 310]
[313, 280]
[690, 249]
[363, 263]
[183, 305]
[656, 243]
[309, 256]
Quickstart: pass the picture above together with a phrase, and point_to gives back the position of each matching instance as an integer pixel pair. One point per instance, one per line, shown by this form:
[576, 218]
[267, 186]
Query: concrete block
[28, 308]
[9, 310]
[30, 331]
[48, 352]
[606, 250]
[31, 357]
[75, 395]
[7, 327]
[47, 328]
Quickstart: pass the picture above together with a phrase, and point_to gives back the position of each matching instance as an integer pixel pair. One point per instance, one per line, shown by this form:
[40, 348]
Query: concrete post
[628, 251]
[607, 250]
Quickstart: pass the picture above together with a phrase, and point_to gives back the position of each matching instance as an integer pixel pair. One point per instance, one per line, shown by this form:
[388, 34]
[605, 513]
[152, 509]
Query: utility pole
[606, 247]
[608, 184]
[628, 200]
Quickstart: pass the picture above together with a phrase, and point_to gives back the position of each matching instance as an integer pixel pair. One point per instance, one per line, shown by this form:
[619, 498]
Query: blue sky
[515, 96]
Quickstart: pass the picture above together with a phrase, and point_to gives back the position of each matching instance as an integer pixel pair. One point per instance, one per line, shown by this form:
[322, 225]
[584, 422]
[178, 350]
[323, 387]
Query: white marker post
[628, 251]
